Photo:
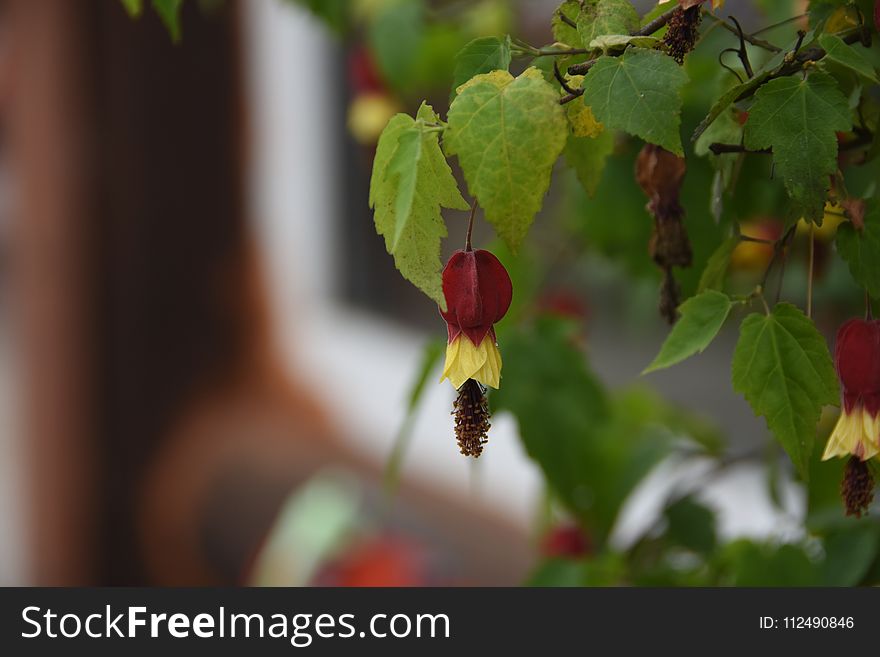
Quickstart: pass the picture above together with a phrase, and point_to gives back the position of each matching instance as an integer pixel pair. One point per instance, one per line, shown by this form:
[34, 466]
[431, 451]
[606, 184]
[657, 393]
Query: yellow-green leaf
[562, 31]
[507, 133]
[601, 17]
[411, 181]
[580, 117]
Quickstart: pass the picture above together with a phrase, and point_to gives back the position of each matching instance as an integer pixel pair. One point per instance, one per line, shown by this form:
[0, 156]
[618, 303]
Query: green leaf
[743, 89]
[849, 554]
[691, 525]
[601, 17]
[593, 451]
[798, 119]
[701, 318]
[411, 181]
[169, 12]
[861, 249]
[559, 406]
[837, 51]
[562, 31]
[482, 55]
[638, 92]
[757, 564]
[587, 155]
[432, 352]
[134, 8]
[507, 132]
[782, 366]
[726, 129]
[395, 37]
[716, 268]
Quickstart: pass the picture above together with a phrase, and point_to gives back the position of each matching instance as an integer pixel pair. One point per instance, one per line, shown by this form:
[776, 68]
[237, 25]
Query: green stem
[810, 270]
[561, 53]
[470, 228]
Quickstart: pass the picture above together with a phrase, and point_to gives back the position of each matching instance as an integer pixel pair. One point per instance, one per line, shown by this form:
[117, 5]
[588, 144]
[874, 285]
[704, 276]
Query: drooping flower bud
[478, 292]
[857, 360]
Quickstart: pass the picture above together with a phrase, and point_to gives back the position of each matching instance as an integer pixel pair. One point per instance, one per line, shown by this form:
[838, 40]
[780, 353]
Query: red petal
[478, 292]
[857, 359]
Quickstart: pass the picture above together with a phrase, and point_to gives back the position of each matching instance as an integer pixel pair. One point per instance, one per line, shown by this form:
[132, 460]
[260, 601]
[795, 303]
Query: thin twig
[729, 68]
[757, 240]
[720, 149]
[561, 80]
[797, 62]
[654, 25]
[801, 34]
[760, 43]
[863, 138]
[779, 24]
[742, 52]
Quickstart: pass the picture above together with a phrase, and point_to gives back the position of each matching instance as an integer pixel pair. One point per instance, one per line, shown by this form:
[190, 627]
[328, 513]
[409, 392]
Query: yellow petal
[856, 434]
[490, 373]
[465, 361]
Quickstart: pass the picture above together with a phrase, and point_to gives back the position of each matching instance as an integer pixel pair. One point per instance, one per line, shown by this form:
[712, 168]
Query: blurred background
[206, 353]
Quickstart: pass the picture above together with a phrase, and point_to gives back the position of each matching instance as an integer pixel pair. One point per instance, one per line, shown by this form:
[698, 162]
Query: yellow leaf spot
[583, 122]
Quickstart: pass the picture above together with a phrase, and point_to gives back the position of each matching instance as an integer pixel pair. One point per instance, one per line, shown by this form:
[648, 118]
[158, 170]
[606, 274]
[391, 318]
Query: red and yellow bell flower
[857, 360]
[857, 433]
[478, 292]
